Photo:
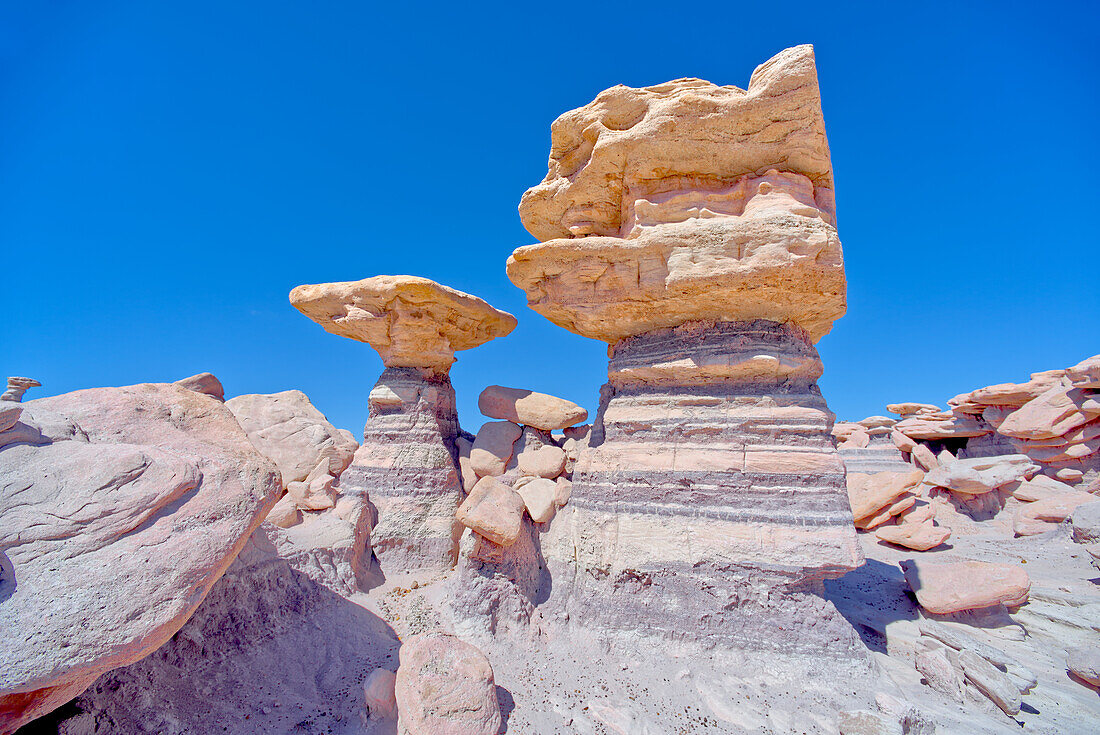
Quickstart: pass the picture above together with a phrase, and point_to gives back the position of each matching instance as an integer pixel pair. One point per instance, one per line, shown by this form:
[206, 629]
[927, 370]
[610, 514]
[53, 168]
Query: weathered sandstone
[687, 201]
[408, 467]
[287, 428]
[981, 474]
[493, 510]
[206, 383]
[493, 448]
[411, 321]
[947, 587]
[130, 504]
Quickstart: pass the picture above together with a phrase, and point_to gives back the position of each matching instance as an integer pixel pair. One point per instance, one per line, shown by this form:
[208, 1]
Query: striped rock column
[711, 503]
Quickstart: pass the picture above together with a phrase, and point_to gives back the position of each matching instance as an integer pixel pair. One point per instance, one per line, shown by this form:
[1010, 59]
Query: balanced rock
[633, 241]
[206, 383]
[129, 506]
[17, 387]
[697, 240]
[411, 321]
[529, 408]
[287, 428]
[948, 587]
[445, 686]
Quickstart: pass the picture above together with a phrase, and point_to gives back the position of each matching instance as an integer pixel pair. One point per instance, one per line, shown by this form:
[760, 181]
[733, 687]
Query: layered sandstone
[693, 228]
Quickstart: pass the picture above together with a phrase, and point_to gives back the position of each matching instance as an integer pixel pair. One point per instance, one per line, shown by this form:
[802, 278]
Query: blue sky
[168, 172]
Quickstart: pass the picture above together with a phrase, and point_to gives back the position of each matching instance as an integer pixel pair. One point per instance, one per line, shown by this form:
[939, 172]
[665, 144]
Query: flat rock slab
[950, 587]
[114, 524]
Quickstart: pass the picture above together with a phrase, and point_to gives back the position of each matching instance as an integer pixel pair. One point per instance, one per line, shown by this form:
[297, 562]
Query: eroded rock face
[207, 383]
[411, 321]
[687, 201]
[116, 517]
[408, 467]
[719, 501]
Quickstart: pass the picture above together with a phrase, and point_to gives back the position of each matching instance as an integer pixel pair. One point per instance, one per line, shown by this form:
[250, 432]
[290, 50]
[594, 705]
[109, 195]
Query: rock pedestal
[692, 227]
[712, 501]
[408, 468]
[408, 462]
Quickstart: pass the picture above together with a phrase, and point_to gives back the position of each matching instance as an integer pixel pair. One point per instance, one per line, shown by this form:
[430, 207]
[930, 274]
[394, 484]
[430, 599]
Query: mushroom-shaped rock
[948, 587]
[445, 686]
[529, 408]
[411, 321]
[17, 387]
[684, 202]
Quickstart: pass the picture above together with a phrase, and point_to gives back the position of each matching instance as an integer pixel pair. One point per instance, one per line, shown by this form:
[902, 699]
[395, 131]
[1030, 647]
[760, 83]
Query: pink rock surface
[521, 406]
[115, 532]
[493, 510]
[445, 687]
[948, 587]
[1053, 413]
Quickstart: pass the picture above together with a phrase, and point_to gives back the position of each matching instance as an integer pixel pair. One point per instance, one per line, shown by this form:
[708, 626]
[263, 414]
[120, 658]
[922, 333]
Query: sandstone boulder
[539, 496]
[445, 686]
[546, 461]
[410, 321]
[287, 428]
[115, 530]
[492, 448]
[1052, 413]
[529, 408]
[379, 693]
[869, 495]
[1041, 515]
[911, 409]
[948, 587]
[1085, 374]
[1084, 663]
[493, 510]
[919, 536]
[1086, 523]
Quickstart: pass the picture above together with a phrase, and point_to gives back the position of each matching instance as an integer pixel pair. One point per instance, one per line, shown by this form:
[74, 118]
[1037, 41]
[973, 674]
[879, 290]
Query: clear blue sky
[169, 171]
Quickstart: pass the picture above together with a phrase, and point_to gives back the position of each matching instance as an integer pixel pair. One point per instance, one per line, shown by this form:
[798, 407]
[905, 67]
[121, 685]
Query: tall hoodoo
[692, 227]
[407, 463]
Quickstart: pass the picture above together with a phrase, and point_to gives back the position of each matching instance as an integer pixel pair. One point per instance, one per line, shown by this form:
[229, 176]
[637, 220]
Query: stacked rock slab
[711, 502]
[407, 463]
